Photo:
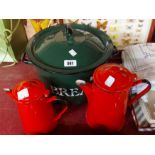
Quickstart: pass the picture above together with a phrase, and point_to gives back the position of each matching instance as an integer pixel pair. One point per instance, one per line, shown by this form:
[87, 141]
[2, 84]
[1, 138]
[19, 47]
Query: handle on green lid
[69, 34]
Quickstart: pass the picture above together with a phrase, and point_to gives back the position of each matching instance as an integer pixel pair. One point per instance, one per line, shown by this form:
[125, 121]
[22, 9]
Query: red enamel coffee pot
[35, 107]
[108, 95]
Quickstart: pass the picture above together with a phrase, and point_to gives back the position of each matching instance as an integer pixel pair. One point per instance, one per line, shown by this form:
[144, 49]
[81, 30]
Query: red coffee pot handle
[132, 100]
[59, 115]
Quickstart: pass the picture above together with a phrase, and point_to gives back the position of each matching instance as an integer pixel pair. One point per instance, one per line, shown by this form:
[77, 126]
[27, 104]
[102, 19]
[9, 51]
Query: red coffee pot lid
[113, 77]
[29, 90]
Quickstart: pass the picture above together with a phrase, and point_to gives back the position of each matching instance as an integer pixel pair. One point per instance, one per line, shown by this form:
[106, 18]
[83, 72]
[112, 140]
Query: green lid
[69, 49]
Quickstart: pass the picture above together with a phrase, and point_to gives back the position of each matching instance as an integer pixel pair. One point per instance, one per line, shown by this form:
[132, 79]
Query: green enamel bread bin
[65, 53]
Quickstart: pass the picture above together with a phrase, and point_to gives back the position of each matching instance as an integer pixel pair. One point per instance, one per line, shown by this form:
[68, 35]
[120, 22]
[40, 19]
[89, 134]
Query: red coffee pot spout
[86, 87]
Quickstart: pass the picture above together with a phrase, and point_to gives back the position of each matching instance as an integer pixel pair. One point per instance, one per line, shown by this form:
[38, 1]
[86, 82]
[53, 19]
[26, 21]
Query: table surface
[72, 123]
